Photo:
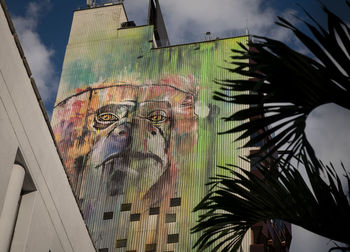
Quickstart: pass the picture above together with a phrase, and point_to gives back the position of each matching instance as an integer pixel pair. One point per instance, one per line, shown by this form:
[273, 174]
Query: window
[135, 217]
[258, 144]
[107, 215]
[170, 218]
[254, 163]
[121, 243]
[175, 202]
[151, 247]
[125, 207]
[154, 210]
[173, 238]
[103, 250]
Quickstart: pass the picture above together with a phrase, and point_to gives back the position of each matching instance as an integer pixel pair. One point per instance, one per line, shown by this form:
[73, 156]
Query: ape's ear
[201, 110]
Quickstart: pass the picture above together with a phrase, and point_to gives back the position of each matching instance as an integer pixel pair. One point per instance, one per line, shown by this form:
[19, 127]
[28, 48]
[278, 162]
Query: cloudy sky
[43, 27]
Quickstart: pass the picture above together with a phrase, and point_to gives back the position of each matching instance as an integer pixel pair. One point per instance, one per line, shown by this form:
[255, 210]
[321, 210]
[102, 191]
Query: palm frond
[240, 200]
[284, 85]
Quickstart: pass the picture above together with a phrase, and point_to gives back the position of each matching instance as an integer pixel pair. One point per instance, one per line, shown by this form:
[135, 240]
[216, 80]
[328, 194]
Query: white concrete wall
[49, 218]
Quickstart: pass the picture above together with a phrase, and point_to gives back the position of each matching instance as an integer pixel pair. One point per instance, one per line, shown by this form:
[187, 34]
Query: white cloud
[328, 131]
[188, 21]
[307, 241]
[38, 55]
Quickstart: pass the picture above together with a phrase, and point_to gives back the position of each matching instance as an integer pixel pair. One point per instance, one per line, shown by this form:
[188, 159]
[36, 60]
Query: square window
[151, 247]
[173, 238]
[154, 210]
[121, 243]
[135, 217]
[103, 250]
[125, 207]
[107, 215]
[175, 202]
[170, 218]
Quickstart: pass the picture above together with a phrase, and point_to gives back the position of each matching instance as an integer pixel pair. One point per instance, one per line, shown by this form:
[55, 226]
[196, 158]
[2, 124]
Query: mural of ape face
[134, 136]
[127, 144]
[133, 145]
[137, 133]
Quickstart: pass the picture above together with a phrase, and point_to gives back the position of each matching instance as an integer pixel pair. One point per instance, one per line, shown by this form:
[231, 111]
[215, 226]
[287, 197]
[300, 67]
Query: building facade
[137, 127]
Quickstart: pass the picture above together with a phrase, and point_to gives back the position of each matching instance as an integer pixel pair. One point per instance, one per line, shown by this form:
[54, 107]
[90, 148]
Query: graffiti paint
[137, 130]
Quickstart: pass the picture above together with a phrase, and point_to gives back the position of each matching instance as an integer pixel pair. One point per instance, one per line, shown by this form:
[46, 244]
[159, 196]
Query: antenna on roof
[91, 3]
[208, 36]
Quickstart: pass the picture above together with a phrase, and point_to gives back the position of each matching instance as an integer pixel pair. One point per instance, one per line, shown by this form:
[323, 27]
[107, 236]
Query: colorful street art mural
[137, 130]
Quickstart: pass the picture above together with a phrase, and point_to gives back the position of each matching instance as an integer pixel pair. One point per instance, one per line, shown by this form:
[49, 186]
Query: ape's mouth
[126, 156]
[118, 168]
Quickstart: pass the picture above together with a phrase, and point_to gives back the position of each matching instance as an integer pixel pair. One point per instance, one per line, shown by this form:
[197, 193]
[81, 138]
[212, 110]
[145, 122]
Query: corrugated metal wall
[137, 129]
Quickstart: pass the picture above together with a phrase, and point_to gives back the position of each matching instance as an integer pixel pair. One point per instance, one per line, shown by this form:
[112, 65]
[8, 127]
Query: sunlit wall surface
[137, 130]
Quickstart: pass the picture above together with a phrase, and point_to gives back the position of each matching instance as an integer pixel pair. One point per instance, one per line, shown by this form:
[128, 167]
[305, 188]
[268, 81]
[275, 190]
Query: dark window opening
[170, 218]
[135, 217]
[121, 243]
[125, 207]
[154, 210]
[175, 202]
[107, 215]
[103, 250]
[258, 144]
[151, 247]
[254, 163]
[173, 238]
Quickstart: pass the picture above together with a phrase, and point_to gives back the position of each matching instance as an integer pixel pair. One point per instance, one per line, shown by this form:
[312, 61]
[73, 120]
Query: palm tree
[282, 88]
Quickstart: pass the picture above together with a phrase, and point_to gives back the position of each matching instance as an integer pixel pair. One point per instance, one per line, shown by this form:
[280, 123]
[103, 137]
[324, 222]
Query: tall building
[137, 128]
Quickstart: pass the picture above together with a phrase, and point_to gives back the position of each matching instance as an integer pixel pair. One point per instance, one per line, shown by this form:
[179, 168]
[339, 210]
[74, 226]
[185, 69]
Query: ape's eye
[157, 116]
[107, 118]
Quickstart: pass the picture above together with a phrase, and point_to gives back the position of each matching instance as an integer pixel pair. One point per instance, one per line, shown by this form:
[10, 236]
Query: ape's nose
[115, 144]
[119, 138]
[122, 131]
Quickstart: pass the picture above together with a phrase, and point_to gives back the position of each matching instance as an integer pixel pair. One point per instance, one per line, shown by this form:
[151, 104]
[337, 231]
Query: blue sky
[48, 22]
[43, 27]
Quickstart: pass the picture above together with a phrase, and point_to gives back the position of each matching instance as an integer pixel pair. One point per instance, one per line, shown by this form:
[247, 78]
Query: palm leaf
[238, 201]
[285, 85]
[282, 88]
